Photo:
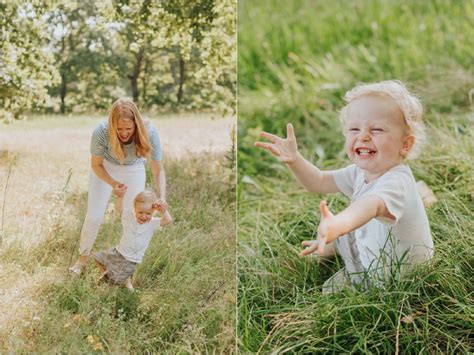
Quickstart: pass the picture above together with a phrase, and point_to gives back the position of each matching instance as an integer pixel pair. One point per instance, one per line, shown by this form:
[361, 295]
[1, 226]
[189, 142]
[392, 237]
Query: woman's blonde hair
[409, 105]
[126, 110]
[145, 196]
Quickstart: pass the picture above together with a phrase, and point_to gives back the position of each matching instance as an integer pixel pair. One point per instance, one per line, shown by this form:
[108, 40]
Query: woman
[119, 148]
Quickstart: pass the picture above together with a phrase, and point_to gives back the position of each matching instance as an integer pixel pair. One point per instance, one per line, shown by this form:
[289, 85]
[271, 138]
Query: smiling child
[118, 263]
[386, 224]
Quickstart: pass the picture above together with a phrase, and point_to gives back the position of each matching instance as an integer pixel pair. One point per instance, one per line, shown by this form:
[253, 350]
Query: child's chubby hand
[286, 150]
[160, 205]
[119, 189]
[326, 232]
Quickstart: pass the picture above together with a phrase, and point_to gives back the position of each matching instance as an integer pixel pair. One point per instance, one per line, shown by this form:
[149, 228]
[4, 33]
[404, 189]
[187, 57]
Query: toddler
[386, 223]
[118, 263]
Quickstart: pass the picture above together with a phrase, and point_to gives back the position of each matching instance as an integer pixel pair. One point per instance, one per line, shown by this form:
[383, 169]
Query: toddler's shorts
[118, 268]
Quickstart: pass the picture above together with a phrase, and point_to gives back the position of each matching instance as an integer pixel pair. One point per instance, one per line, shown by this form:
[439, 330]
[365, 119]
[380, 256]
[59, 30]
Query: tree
[135, 34]
[83, 49]
[205, 42]
[172, 54]
[178, 48]
[26, 68]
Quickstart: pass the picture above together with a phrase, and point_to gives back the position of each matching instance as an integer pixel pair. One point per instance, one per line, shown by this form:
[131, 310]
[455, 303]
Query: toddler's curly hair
[145, 196]
[409, 105]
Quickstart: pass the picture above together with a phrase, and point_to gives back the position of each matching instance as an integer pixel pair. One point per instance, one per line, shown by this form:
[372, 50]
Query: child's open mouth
[365, 152]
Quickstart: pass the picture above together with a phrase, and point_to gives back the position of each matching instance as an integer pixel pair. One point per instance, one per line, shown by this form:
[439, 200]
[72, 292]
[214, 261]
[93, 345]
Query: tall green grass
[296, 60]
[185, 298]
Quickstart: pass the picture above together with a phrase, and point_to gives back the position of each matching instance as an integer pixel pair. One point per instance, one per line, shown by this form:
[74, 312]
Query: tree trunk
[181, 79]
[145, 80]
[136, 73]
[62, 93]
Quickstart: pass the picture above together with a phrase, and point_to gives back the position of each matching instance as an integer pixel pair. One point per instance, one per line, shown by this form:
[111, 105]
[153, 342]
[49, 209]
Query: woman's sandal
[76, 269]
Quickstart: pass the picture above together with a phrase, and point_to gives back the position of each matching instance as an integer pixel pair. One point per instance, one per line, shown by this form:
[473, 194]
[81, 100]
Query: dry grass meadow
[44, 168]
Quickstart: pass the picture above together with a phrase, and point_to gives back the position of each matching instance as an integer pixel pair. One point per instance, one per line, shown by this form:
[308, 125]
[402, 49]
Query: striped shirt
[100, 145]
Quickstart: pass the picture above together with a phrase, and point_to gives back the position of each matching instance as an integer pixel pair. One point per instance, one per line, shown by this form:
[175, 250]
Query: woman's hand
[326, 232]
[286, 150]
[119, 189]
[160, 205]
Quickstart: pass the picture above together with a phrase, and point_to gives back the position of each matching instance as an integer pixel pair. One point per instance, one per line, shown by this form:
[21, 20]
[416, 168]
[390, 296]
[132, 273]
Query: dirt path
[46, 153]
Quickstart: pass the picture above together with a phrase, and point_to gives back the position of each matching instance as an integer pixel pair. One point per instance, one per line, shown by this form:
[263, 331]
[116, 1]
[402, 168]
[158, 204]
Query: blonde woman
[119, 148]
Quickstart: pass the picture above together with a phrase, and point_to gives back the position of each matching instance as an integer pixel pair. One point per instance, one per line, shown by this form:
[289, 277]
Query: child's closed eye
[377, 130]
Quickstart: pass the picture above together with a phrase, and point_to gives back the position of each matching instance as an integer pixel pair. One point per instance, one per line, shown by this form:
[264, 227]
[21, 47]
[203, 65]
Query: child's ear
[408, 142]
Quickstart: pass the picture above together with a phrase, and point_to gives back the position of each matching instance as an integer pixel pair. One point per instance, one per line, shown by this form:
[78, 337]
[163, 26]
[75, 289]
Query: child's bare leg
[100, 266]
[103, 271]
[128, 284]
[101, 277]
[119, 205]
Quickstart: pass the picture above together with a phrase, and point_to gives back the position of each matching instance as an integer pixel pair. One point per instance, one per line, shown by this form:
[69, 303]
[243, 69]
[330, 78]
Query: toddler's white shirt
[136, 236]
[410, 229]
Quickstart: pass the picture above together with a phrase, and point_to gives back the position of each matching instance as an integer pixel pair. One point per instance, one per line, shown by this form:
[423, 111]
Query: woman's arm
[159, 178]
[97, 164]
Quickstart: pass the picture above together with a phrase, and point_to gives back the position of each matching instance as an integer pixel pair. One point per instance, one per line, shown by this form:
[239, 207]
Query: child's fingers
[274, 150]
[271, 137]
[323, 207]
[160, 206]
[120, 189]
[290, 132]
[162, 203]
[270, 147]
[264, 145]
[312, 246]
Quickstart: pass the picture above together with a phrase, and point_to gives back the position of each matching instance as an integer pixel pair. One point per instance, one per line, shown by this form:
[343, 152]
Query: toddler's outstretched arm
[333, 226]
[166, 218]
[307, 174]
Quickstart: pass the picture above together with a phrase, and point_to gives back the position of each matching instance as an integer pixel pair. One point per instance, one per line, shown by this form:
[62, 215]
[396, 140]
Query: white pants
[99, 194]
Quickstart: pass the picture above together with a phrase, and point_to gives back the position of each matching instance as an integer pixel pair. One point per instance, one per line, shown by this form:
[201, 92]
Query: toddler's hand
[312, 246]
[119, 189]
[160, 205]
[326, 233]
[286, 150]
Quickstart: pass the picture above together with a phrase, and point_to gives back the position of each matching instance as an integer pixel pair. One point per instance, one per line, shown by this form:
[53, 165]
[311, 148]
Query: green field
[296, 61]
